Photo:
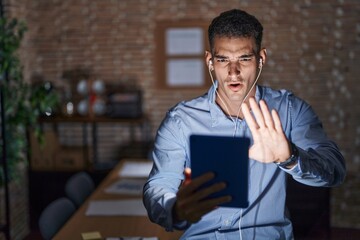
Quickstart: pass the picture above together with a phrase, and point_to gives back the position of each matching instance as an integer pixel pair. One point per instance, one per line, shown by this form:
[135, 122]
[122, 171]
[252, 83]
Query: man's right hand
[191, 203]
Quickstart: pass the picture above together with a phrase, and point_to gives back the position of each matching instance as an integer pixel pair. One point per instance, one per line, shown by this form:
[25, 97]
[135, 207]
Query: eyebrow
[242, 56]
[247, 55]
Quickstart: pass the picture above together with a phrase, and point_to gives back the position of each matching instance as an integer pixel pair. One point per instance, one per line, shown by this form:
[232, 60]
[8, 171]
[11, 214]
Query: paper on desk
[136, 169]
[128, 207]
[127, 186]
[91, 236]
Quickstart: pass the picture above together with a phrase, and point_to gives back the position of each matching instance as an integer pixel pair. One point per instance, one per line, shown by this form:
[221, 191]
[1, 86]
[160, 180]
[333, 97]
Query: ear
[208, 60]
[263, 56]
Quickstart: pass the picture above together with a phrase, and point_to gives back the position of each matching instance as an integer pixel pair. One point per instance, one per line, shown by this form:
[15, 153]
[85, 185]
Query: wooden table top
[111, 226]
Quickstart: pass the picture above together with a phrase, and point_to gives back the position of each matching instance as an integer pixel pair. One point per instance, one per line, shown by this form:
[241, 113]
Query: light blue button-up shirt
[320, 163]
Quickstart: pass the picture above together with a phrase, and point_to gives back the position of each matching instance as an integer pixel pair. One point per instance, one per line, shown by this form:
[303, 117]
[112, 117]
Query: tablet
[228, 158]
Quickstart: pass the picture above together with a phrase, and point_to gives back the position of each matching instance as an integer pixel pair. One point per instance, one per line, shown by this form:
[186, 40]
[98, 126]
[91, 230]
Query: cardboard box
[42, 155]
[70, 158]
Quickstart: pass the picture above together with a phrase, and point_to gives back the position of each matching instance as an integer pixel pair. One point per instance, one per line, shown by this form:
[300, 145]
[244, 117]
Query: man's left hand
[270, 143]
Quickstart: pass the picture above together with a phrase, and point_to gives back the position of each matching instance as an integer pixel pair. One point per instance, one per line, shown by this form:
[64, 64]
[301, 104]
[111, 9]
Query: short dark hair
[235, 23]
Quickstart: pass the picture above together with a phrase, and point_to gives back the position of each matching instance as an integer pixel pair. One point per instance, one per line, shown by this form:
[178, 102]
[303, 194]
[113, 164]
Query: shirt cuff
[295, 170]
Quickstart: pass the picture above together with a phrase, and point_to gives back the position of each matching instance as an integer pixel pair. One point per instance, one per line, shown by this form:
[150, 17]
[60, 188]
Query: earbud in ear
[260, 63]
[211, 67]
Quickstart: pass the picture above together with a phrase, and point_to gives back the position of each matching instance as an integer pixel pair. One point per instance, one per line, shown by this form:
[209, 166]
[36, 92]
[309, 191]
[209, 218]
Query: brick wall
[313, 49]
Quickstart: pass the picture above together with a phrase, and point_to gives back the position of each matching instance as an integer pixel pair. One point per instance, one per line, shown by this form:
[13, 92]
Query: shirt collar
[215, 111]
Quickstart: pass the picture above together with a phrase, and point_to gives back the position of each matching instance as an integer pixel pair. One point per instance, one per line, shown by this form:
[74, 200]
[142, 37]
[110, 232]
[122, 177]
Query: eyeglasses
[244, 60]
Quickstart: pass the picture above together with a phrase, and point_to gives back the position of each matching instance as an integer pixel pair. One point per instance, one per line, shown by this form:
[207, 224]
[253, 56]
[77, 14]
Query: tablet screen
[228, 158]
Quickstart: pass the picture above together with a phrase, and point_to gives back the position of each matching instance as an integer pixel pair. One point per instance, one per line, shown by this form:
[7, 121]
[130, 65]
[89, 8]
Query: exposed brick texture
[313, 50]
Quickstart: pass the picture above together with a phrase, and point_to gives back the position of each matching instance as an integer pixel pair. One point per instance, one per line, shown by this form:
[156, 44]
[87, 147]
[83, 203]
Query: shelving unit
[91, 161]
[53, 180]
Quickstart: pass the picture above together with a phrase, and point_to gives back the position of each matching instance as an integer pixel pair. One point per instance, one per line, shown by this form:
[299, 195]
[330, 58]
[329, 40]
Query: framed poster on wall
[180, 53]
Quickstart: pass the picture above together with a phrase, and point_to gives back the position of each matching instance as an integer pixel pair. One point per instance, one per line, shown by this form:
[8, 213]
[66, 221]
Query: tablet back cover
[228, 158]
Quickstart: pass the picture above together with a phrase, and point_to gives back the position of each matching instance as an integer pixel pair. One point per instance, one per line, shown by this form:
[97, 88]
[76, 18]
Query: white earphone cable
[247, 94]
[222, 101]
[237, 116]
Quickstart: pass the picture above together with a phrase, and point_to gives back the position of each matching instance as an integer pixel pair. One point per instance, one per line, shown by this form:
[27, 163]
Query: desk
[111, 226]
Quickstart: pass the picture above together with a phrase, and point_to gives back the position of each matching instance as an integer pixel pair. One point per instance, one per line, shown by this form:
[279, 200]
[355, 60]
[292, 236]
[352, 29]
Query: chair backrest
[79, 187]
[54, 216]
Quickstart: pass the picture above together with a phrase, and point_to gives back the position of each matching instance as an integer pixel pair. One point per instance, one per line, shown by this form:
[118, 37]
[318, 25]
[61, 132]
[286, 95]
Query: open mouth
[235, 86]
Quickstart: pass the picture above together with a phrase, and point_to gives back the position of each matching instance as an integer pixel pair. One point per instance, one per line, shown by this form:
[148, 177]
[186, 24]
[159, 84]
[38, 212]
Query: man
[286, 136]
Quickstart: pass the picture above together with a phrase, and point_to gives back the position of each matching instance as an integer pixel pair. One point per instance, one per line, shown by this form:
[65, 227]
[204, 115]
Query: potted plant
[21, 106]
[23, 103]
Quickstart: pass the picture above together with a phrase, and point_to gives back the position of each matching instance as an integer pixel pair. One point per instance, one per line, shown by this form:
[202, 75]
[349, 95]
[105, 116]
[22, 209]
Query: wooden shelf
[91, 157]
[92, 119]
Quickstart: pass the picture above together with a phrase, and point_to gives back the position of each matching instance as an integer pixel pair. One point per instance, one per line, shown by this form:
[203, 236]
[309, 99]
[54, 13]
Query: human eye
[222, 60]
[246, 58]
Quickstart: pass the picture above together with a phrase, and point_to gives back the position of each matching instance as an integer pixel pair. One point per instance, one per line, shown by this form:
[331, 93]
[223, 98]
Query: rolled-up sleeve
[159, 193]
[320, 161]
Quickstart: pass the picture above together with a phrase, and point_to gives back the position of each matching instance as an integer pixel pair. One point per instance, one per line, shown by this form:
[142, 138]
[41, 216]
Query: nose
[234, 69]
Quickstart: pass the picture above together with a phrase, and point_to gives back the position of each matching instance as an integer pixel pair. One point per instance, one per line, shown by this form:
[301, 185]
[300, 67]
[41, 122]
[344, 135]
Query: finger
[249, 118]
[203, 193]
[266, 113]
[277, 121]
[194, 184]
[212, 203]
[257, 112]
[187, 173]
[196, 197]
[195, 212]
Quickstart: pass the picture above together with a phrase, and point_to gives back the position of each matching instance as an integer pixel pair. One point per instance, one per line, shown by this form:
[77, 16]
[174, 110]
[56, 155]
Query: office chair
[79, 187]
[54, 216]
